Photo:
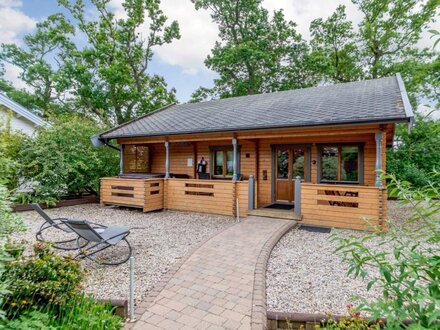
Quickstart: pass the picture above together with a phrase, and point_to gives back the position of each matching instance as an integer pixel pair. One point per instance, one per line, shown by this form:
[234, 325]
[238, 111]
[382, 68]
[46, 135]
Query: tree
[255, 53]
[61, 161]
[389, 29]
[335, 54]
[417, 152]
[110, 75]
[41, 63]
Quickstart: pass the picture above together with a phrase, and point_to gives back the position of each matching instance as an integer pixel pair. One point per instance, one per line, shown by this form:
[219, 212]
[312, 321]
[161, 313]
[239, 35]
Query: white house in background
[22, 119]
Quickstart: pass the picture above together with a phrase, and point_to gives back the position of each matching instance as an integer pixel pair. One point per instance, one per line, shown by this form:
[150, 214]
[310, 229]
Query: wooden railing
[344, 206]
[126, 192]
[142, 193]
[154, 190]
[206, 196]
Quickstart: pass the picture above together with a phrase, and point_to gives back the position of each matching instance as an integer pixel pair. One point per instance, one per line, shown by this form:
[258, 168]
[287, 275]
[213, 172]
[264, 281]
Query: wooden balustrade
[344, 206]
[207, 196]
[124, 192]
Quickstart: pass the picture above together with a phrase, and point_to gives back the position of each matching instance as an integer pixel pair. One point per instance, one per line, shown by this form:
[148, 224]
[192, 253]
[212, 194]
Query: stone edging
[145, 303]
[259, 307]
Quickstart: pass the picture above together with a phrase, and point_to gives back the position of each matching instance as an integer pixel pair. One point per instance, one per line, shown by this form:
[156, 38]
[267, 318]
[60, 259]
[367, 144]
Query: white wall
[17, 124]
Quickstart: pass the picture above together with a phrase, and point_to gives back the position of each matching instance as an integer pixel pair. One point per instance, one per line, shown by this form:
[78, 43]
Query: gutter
[98, 142]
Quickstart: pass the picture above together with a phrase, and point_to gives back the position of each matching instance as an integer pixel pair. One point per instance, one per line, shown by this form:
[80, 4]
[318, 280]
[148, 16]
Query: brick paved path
[221, 285]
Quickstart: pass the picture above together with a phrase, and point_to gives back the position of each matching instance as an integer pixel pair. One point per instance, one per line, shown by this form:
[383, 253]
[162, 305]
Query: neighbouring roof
[376, 100]
[21, 111]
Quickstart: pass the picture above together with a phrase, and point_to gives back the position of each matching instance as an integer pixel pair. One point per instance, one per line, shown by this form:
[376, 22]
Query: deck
[341, 206]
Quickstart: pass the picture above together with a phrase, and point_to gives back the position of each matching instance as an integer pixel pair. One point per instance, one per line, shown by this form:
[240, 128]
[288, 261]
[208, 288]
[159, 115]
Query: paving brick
[214, 287]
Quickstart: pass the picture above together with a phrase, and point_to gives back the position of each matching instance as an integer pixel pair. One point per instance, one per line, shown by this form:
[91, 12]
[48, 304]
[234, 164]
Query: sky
[182, 62]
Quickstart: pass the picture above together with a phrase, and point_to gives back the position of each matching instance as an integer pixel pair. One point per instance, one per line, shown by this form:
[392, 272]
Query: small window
[223, 162]
[340, 163]
[136, 158]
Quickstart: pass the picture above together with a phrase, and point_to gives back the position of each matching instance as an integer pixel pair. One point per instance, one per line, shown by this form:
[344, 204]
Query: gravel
[304, 274]
[164, 238]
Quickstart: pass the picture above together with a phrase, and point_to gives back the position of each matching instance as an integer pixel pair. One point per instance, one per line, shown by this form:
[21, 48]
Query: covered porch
[325, 178]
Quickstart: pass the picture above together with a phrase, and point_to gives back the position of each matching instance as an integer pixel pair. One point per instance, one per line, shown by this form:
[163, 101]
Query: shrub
[41, 279]
[9, 222]
[417, 152]
[408, 265]
[61, 160]
[10, 145]
[84, 312]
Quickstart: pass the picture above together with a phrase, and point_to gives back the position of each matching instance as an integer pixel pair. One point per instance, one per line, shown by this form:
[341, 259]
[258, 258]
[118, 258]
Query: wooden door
[290, 162]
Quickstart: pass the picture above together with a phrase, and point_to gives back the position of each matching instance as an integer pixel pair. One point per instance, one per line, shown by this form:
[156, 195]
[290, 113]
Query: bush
[10, 145]
[41, 279]
[417, 152]
[62, 161]
[408, 265]
[9, 222]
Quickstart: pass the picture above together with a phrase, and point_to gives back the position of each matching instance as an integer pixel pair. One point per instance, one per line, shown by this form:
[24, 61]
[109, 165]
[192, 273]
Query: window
[136, 158]
[223, 159]
[341, 163]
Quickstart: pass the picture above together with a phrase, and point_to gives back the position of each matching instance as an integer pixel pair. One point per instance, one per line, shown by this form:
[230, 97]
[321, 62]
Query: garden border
[259, 303]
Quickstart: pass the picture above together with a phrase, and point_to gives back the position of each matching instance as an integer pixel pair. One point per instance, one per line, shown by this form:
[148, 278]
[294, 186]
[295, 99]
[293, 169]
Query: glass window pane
[283, 163]
[142, 159]
[298, 163]
[229, 163]
[349, 163]
[329, 163]
[218, 163]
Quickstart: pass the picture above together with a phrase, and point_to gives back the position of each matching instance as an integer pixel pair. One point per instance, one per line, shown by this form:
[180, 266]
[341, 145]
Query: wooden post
[195, 159]
[298, 196]
[251, 192]
[235, 160]
[167, 160]
[378, 136]
[121, 160]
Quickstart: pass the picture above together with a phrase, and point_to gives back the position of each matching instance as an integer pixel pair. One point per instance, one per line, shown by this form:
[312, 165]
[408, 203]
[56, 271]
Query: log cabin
[314, 155]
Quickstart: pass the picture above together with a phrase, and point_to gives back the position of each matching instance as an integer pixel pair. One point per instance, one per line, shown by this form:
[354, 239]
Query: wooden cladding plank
[346, 212]
[205, 196]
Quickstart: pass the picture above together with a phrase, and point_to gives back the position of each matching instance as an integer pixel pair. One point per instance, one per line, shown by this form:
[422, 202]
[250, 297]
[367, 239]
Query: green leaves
[404, 263]
[256, 53]
[61, 161]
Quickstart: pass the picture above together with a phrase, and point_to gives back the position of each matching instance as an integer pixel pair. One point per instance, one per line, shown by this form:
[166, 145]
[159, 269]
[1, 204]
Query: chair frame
[60, 224]
[82, 252]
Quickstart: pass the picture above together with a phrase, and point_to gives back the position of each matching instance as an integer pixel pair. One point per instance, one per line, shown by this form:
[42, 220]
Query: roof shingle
[355, 102]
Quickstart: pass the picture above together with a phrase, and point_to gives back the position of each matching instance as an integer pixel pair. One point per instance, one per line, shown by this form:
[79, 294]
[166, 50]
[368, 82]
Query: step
[274, 213]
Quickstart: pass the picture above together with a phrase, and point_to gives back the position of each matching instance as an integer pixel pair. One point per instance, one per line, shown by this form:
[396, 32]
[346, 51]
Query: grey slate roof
[378, 100]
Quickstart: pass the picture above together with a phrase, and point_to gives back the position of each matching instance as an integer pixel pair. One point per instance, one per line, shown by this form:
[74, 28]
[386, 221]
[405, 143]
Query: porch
[343, 206]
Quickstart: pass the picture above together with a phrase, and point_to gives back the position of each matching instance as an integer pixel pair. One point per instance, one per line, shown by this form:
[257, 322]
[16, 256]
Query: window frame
[339, 146]
[124, 167]
[212, 155]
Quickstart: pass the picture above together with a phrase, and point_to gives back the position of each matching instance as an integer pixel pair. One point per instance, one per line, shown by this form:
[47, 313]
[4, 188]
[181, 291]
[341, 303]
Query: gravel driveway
[304, 275]
[165, 237]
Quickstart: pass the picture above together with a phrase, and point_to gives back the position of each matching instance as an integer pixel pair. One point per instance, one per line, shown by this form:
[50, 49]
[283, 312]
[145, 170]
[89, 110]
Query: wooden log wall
[341, 206]
[154, 195]
[124, 192]
[204, 196]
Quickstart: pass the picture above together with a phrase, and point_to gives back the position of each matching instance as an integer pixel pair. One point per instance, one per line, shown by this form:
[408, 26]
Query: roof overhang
[406, 104]
[280, 127]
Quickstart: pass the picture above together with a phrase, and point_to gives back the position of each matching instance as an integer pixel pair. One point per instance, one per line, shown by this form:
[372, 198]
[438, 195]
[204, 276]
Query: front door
[290, 162]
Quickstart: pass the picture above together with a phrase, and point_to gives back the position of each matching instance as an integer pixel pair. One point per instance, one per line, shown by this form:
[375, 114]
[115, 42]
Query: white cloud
[13, 23]
[198, 35]
[11, 3]
[304, 12]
